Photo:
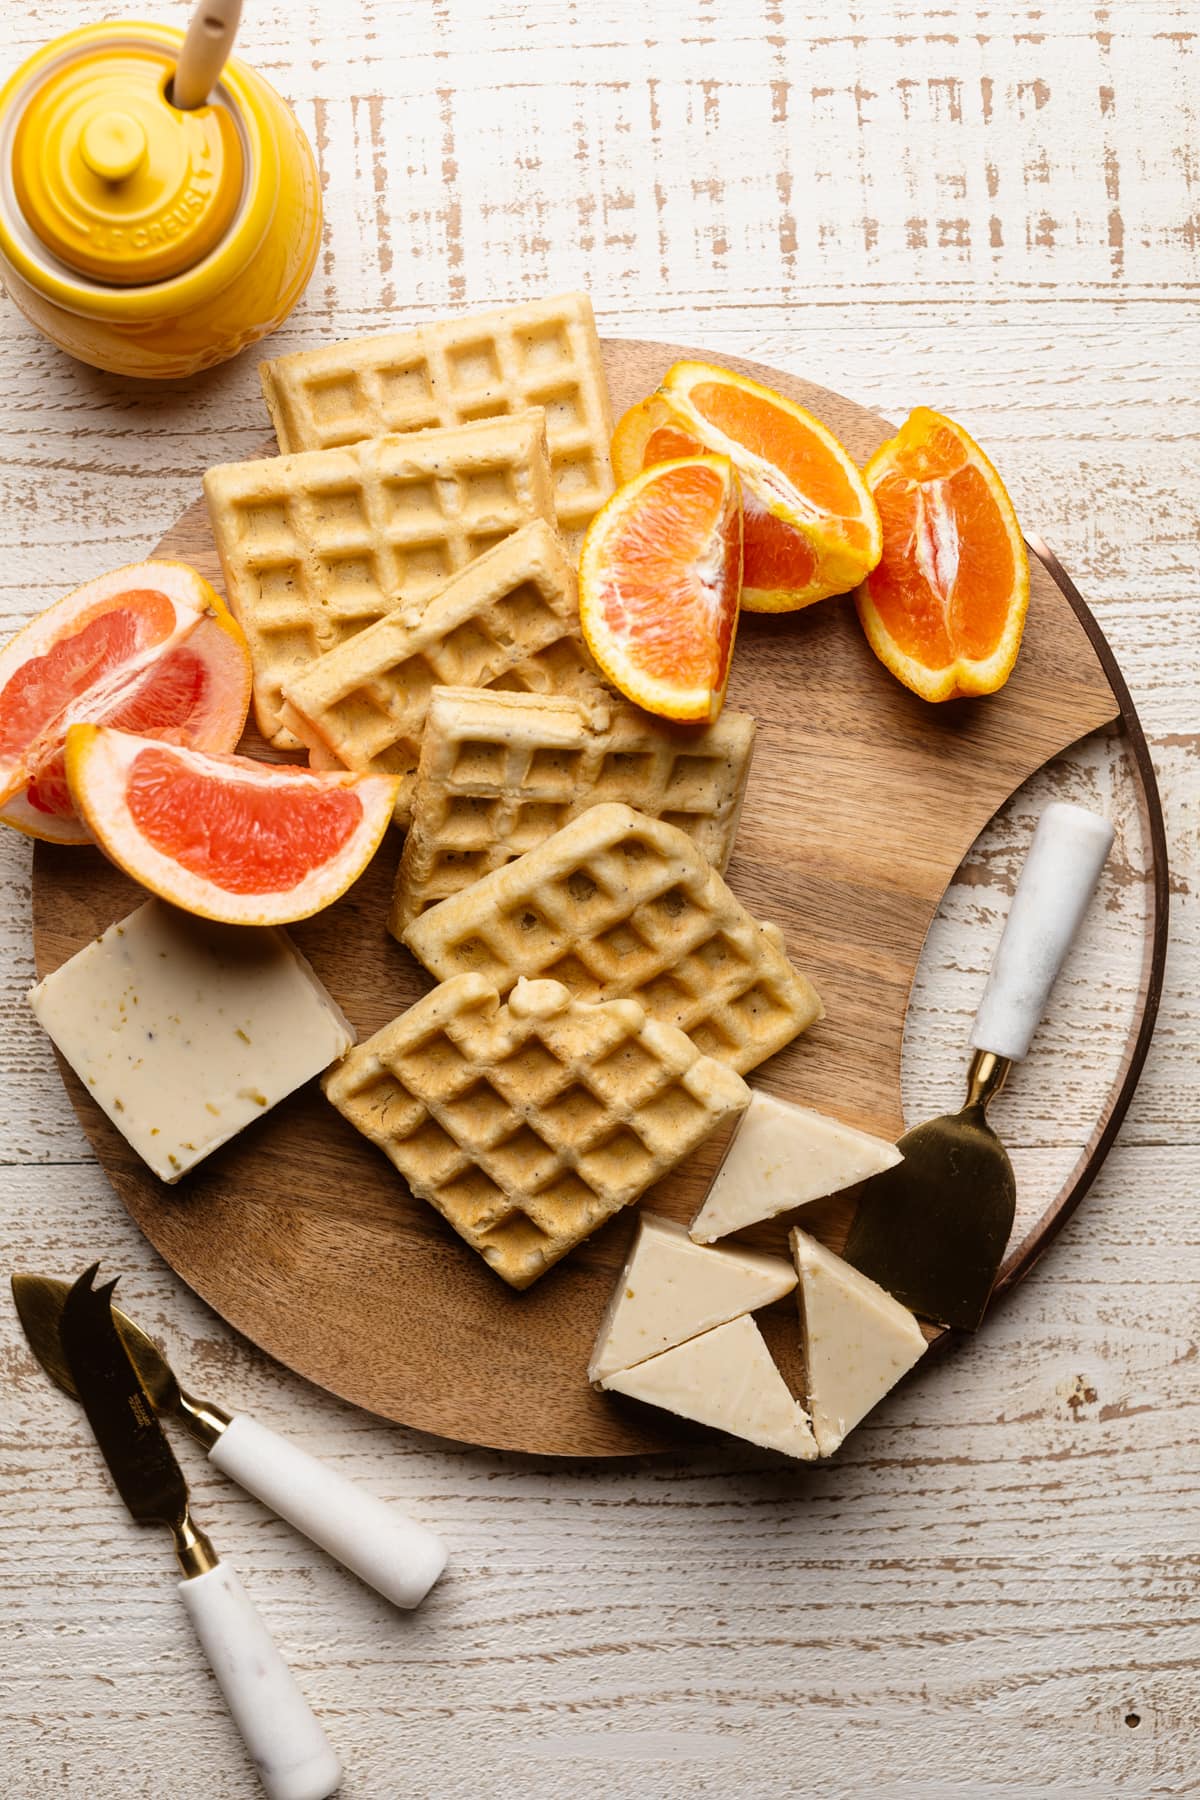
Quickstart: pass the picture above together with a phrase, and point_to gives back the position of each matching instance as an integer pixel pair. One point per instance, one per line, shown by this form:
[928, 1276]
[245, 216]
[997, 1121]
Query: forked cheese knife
[397, 1557]
[289, 1748]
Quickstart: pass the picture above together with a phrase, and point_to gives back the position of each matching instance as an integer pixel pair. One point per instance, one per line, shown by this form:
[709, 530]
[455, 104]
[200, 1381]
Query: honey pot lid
[114, 180]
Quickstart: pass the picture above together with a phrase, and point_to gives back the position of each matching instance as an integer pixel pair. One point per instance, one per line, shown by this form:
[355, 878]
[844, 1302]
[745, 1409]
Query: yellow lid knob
[113, 144]
[118, 183]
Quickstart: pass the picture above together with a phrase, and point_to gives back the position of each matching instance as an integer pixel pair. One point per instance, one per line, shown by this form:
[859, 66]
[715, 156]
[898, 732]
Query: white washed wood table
[993, 1591]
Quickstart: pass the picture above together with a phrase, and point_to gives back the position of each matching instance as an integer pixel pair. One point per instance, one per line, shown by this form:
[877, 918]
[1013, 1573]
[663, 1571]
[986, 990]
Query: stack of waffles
[405, 574]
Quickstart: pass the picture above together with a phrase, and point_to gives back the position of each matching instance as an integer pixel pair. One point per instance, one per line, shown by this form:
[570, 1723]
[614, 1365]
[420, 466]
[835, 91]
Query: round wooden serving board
[862, 801]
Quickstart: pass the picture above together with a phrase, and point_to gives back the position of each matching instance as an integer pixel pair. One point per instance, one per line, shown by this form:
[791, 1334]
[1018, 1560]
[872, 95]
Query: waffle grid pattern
[498, 775]
[317, 546]
[544, 353]
[511, 615]
[528, 1124]
[619, 905]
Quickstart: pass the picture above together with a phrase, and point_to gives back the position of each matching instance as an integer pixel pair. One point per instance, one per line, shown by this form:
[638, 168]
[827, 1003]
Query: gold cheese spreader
[933, 1230]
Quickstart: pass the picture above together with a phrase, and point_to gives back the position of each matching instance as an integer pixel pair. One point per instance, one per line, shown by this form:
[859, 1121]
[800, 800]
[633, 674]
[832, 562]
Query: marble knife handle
[391, 1553]
[1059, 878]
[290, 1751]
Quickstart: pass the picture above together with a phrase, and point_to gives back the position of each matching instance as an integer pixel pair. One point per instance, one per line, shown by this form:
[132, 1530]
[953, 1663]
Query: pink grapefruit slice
[150, 648]
[226, 837]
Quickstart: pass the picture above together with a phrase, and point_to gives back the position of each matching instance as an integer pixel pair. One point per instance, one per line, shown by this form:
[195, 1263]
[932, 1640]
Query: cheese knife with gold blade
[289, 1748]
[933, 1230]
[393, 1554]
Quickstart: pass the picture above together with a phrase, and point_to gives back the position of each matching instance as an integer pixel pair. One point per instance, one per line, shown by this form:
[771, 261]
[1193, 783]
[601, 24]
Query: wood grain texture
[999, 1571]
[861, 804]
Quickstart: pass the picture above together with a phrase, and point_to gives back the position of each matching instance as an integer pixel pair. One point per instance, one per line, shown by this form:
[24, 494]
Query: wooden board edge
[1043, 1231]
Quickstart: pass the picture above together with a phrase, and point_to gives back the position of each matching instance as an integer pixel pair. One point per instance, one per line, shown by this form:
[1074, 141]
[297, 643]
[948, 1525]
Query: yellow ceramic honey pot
[159, 205]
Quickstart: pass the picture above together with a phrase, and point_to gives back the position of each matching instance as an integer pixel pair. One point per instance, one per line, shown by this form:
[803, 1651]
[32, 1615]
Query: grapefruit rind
[693, 704]
[840, 566]
[964, 678]
[46, 827]
[99, 765]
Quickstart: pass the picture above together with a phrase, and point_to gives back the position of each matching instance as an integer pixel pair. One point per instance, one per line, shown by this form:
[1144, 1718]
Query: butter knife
[289, 1748]
[397, 1557]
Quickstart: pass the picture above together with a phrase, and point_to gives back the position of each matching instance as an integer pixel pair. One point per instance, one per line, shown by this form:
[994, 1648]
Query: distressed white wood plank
[991, 1593]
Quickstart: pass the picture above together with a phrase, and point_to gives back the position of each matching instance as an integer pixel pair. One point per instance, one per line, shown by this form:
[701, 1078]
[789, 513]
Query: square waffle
[616, 905]
[542, 353]
[499, 773]
[512, 615]
[316, 546]
[528, 1124]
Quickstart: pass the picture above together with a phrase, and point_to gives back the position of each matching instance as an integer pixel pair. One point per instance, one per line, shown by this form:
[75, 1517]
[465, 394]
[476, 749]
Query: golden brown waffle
[616, 904]
[500, 773]
[528, 1124]
[314, 547]
[512, 615]
[543, 353]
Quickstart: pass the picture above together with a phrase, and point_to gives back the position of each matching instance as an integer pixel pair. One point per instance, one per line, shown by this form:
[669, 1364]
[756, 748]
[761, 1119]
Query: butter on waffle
[316, 546]
[512, 615]
[542, 353]
[500, 773]
[617, 905]
[528, 1124]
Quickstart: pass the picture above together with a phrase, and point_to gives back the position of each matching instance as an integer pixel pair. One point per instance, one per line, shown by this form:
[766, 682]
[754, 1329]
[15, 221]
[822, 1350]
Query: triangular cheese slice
[858, 1341]
[670, 1289]
[724, 1378]
[783, 1156]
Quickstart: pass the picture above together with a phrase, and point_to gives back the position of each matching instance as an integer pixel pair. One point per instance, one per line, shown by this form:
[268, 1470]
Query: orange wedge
[811, 528]
[150, 648]
[648, 433]
[659, 576]
[945, 608]
[225, 837]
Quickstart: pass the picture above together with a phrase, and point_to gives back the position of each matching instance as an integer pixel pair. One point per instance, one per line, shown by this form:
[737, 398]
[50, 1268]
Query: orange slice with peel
[811, 528]
[648, 433]
[226, 837]
[945, 608]
[150, 648]
[659, 576]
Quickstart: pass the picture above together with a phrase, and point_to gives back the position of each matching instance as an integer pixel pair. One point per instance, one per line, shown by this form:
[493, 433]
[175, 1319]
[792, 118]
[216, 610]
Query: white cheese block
[671, 1289]
[184, 1030]
[725, 1378]
[858, 1341]
[782, 1156]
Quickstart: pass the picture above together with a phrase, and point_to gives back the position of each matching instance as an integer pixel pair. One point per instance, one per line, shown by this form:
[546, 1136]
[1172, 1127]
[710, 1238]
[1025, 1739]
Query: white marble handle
[290, 1751]
[1057, 882]
[392, 1554]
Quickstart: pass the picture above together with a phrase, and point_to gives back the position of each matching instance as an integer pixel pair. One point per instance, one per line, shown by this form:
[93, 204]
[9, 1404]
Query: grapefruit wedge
[150, 648]
[225, 837]
[945, 609]
[811, 527]
[659, 576]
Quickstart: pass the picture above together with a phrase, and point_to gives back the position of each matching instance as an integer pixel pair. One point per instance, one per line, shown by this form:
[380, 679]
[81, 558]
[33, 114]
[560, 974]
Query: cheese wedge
[670, 1290]
[783, 1156]
[858, 1341]
[724, 1378]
